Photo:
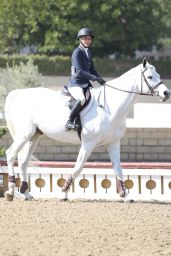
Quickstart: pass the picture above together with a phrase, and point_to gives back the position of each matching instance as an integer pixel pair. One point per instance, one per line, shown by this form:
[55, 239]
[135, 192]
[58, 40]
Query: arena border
[144, 180]
[104, 165]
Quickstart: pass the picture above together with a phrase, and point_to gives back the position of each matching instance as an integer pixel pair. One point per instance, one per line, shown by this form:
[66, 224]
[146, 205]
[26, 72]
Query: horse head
[150, 81]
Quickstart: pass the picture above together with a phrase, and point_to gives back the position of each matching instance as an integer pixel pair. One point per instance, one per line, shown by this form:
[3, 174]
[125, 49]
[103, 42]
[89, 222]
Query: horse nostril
[166, 93]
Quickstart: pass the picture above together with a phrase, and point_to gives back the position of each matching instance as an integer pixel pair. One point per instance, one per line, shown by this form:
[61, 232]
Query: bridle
[152, 89]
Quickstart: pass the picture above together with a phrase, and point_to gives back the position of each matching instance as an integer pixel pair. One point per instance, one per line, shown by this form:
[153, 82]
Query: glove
[100, 80]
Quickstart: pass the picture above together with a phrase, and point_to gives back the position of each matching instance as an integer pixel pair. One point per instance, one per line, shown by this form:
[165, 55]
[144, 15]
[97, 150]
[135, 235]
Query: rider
[82, 70]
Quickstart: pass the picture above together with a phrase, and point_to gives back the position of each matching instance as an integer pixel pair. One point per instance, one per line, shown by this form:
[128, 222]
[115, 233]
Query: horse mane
[122, 77]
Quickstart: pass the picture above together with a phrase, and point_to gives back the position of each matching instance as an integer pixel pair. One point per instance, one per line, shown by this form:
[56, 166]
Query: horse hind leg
[11, 154]
[23, 160]
[21, 138]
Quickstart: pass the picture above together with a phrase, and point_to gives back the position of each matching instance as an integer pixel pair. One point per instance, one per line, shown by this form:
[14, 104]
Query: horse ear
[144, 62]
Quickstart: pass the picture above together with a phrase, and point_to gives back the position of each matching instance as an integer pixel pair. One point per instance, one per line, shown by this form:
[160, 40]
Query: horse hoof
[64, 200]
[8, 196]
[27, 196]
[130, 201]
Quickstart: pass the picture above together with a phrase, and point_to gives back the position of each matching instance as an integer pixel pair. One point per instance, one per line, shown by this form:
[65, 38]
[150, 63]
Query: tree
[129, 25]
[121, 26]
[166, 8]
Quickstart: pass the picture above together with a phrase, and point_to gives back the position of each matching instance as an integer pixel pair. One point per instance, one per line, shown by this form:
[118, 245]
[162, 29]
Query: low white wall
[138, 144]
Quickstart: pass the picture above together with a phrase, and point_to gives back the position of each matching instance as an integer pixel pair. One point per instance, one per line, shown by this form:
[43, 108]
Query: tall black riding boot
[74, 112]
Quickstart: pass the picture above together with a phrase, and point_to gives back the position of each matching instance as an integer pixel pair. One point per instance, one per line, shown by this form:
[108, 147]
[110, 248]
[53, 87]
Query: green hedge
[2, 133]
[60, 65]
[53, 66]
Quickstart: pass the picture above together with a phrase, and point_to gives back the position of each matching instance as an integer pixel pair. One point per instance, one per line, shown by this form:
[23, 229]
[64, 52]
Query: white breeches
[77, 93]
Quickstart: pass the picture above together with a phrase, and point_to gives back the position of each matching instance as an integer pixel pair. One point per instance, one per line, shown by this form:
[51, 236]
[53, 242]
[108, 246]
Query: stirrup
[69, 126]
[72, 126]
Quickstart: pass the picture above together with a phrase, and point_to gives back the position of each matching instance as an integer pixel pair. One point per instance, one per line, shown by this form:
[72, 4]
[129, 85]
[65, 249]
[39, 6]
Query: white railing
[144, 181]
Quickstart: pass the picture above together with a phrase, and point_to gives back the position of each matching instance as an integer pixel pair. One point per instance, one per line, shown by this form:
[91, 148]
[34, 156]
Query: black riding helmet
[85, 32]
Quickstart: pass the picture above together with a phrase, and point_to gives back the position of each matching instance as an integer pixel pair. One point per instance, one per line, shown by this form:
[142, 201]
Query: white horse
[32, 112]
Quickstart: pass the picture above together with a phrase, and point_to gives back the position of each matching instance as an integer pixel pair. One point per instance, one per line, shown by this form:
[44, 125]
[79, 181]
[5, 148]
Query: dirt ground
[51, 227]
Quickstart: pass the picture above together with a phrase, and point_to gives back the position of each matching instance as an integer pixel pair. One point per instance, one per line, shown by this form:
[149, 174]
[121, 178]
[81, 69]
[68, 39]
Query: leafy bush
[2, 152]
[18, 76]
[2, 133]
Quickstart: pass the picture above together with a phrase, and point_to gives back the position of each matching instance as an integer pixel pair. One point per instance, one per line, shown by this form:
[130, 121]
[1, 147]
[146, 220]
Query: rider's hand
[100, 80]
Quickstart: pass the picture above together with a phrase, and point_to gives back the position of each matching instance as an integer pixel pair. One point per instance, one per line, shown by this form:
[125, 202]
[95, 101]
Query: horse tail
[11, 128]
[8, 119]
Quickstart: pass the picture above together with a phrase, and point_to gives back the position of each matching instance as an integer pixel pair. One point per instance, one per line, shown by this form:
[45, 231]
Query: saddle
[72, 101]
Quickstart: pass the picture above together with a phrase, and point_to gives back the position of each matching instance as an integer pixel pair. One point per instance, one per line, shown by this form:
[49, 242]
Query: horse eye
[149, 77]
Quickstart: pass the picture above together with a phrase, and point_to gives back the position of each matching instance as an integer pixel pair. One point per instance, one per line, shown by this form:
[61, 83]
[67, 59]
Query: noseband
[152, 89]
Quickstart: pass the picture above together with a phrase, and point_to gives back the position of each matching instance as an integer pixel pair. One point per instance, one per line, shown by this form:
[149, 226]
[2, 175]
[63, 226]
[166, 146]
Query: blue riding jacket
[82, 69]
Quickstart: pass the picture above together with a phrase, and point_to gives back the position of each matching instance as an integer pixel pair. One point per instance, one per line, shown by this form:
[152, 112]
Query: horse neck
[128, 81]
[120, 101]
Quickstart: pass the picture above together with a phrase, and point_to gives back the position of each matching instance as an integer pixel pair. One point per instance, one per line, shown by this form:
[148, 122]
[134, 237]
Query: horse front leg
[85, 151]
[114, 153]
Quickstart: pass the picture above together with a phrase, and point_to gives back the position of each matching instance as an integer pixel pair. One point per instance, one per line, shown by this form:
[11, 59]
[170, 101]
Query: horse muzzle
[165, 95]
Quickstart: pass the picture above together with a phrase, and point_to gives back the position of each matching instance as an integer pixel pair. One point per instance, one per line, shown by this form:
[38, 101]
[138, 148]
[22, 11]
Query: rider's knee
[82, 100]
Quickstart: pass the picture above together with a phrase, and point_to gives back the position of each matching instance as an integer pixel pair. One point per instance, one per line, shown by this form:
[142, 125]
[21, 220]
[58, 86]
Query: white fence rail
[144, 181]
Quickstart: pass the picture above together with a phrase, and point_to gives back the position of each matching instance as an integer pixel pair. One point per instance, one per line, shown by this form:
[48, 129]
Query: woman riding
[82, 72]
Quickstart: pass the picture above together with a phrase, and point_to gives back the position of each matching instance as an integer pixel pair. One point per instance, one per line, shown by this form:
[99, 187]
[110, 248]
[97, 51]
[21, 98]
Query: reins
[139, 93]
[118, 89]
